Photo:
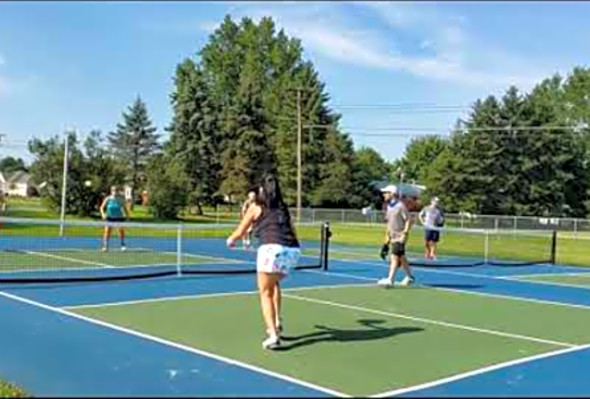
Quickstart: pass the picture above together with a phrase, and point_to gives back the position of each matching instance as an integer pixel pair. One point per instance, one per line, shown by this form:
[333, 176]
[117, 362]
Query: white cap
[390, 189]
[435, 200]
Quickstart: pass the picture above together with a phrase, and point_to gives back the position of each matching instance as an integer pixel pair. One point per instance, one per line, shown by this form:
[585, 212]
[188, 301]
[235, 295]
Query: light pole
[299, 127]
[64, 184]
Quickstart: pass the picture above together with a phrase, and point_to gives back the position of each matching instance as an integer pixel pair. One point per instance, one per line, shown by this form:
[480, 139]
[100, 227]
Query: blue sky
[68, 64]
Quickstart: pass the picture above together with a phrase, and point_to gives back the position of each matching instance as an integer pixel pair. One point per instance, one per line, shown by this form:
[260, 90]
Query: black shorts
[117, 220]
[398, 248]
[432, 235]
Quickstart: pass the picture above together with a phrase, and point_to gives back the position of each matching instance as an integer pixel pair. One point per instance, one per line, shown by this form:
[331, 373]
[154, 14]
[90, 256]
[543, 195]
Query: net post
[486, 246]
[326, 234]
[179, 250]
[554, 247]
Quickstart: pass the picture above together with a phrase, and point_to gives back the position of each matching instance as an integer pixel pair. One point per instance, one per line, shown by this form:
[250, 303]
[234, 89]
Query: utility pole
[64, 183]
[299, 128]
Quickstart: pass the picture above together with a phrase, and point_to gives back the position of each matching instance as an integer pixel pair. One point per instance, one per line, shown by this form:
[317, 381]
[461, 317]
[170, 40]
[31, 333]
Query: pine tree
[134, 142]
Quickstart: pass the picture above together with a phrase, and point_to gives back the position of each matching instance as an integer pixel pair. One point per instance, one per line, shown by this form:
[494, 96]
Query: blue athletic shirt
[114, 207]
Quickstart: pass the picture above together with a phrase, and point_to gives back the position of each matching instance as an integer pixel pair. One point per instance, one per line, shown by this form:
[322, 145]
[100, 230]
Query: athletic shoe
[407, 281]
[104, 249]
[279, 330]
[123, 248]
[385, 282]
[272, 342]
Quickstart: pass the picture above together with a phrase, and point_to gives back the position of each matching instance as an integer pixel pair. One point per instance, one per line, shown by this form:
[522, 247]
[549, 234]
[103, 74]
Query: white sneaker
[104, 249]
[272, 342]
[123, 248]
[385, 282]
[407, 281]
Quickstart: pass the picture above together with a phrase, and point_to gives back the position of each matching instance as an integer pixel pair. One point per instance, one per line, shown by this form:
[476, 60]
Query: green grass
[8, 390]
[390, 339]
[569, 280]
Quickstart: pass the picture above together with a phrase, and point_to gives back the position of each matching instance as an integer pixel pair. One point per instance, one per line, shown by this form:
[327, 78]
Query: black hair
[269, 193]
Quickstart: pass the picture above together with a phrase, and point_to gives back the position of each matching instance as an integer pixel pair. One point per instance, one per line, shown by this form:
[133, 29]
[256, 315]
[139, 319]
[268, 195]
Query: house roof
[406, 189]
[19, 177]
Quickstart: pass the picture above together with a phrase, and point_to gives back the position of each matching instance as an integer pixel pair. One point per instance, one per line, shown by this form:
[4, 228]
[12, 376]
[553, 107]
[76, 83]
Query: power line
[402, 106]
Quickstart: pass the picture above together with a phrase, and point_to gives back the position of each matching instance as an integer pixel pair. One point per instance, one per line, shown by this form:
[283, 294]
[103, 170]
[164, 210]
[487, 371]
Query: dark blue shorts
[432, 235]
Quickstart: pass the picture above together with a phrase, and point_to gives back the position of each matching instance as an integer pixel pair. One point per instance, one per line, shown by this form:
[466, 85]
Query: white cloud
[453, 54]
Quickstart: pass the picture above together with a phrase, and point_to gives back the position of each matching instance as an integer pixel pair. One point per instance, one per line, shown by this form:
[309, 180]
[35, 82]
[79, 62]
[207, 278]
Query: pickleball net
[456, 248]
[51, 251]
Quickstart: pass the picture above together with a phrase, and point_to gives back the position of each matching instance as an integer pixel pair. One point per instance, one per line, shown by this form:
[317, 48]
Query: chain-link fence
[577, 228]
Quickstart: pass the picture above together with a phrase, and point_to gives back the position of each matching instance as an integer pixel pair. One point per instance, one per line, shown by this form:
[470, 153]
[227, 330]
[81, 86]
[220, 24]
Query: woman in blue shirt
[113, 210]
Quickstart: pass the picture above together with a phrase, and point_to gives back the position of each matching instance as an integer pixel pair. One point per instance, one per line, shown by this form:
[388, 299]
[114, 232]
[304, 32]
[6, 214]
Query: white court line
[547, 282]
[467, 292]
[479, 371]
[175, 345]
[199, 296]
[73, 260]
[456, 273]
[431, 321]
[576, 274]
[219, 259]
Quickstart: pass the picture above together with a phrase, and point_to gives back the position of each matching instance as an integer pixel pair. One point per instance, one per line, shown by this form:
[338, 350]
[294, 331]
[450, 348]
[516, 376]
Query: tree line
[520, 154]
[235, 108]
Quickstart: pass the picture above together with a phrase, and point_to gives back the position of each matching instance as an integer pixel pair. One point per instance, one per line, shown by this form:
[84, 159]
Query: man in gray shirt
[399, 223]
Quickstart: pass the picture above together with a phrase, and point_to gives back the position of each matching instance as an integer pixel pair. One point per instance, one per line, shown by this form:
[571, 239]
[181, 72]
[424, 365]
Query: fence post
[343, 216]
[496, 223]
[461, 220]
[486, 246]
[515, 222]
[575, 228]
[179, 250]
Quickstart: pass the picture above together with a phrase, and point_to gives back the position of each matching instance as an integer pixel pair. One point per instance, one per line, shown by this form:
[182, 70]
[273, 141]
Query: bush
[168, 187]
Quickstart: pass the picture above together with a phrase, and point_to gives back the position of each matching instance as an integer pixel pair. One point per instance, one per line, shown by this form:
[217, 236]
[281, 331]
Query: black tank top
[274, 227]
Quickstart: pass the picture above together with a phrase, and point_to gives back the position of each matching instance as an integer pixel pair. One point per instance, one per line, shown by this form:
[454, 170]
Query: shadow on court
[329, 334]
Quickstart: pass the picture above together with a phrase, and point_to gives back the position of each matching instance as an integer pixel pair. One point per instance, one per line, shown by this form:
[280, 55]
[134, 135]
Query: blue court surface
[116, 339]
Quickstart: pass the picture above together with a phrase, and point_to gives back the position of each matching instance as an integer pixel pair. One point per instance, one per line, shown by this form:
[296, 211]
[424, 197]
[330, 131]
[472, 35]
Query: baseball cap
[390, 189]
[435, 200]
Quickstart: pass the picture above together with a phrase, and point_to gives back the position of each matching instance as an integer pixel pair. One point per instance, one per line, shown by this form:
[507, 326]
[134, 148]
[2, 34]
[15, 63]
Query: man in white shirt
[399, 223]
[432, 218]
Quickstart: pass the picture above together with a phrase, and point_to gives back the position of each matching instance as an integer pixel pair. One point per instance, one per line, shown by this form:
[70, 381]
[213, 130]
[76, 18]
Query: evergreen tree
[134, 142]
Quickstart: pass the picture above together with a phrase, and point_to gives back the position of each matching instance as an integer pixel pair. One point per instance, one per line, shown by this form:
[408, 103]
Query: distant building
[17, 184]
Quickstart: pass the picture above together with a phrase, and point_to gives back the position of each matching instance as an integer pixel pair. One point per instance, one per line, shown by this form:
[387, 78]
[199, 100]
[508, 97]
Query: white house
[18, 184]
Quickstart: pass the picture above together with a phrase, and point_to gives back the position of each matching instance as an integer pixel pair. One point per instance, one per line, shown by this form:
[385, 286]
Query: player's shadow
[374, 331]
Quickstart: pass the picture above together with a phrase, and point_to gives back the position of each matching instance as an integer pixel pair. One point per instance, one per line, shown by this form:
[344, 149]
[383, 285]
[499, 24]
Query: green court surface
[362, 340]
[87, 258]
[574, 280]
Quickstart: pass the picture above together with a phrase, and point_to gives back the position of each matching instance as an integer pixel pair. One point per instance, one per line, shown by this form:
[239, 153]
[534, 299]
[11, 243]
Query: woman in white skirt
[278, 252]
